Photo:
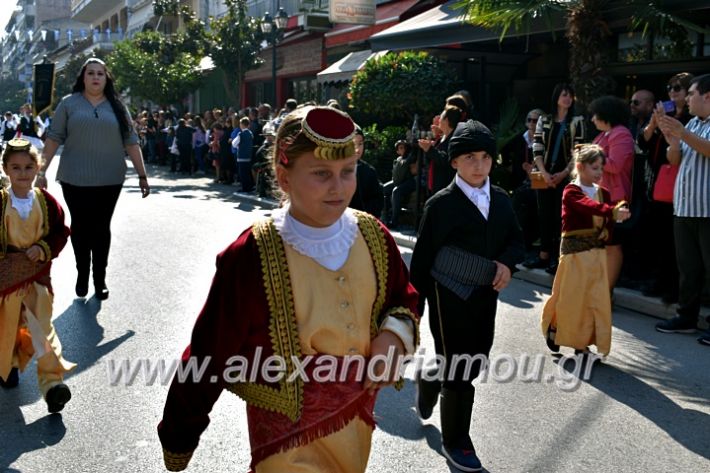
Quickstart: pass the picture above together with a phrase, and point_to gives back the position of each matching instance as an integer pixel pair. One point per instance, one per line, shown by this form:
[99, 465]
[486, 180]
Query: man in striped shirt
[689, 146]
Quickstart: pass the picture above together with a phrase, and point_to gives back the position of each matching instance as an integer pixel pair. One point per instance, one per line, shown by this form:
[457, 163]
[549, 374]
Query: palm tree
[587, 30]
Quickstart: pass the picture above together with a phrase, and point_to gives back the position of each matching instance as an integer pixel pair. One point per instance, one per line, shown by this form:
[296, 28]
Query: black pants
[662, 246]
[549, 207]
[462, 328]
[525, 206]
[91, 210]
[692, 244]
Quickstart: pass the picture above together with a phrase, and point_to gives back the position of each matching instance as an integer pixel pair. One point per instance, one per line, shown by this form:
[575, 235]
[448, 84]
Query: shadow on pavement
[81, 337]
[526, 296]
[20, 438]
[688, 427]
[81, 334]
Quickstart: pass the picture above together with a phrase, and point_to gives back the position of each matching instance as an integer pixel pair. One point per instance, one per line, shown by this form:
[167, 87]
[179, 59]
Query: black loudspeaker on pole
[43, 87]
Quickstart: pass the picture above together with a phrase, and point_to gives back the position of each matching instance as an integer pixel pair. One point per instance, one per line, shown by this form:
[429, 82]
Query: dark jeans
[91, 210]
[525, 206]
[662, 246]
[396, 196]
[245, 177]
[549, 210]
[150, 144]
[185, 158]
[462, 328]
[692, 245]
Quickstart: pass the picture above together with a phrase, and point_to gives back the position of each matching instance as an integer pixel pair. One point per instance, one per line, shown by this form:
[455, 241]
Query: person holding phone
[689, 149]
[654, 144]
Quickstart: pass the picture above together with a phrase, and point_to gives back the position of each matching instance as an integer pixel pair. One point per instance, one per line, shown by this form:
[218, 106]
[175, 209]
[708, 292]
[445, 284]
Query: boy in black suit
[469, 243]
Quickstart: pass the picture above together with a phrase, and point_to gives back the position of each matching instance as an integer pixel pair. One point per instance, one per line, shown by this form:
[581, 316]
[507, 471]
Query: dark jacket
[440, 171]
[450, 218]
[368, 196]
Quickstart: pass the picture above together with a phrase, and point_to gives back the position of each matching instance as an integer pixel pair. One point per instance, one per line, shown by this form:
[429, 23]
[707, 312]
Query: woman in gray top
[95, 128]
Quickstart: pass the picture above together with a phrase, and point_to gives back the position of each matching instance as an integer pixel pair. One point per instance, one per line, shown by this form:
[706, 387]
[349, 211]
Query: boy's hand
[34, 253]
[380, 346]
[502, 277]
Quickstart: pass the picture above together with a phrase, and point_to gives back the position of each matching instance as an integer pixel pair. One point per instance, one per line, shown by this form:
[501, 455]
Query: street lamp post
[272, 28]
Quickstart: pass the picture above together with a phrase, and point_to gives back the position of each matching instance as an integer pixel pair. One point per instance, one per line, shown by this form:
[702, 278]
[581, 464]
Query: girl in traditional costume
[578, 313]
[32, 233]
[317, 281]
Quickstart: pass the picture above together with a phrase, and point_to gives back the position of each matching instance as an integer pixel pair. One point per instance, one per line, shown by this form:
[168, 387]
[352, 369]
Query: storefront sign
[360, 12]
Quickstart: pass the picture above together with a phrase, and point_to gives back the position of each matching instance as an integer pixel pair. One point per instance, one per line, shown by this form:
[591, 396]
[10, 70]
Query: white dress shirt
[480, 196]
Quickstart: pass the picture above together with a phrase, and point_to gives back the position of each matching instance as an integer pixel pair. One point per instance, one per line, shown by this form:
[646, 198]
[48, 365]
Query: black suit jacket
[450, 218]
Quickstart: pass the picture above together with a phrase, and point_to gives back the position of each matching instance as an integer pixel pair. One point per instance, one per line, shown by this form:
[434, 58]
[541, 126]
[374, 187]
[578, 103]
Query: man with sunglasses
[642, 103]
[689, 147]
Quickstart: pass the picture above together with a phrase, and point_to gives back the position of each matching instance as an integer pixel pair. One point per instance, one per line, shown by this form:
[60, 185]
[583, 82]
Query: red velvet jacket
[239, 317]
[578, 210]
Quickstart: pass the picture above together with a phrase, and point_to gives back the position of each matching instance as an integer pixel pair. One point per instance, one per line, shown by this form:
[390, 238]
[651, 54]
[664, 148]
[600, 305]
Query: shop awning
[441, 26]
[386, 15]
[343, 70]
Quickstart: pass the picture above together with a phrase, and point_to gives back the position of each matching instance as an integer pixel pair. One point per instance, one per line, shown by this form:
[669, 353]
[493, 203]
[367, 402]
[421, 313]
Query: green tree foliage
[235, 45]
[12, 95]
[587, 30]
[395, 86]
[163, 69]
[379, 148]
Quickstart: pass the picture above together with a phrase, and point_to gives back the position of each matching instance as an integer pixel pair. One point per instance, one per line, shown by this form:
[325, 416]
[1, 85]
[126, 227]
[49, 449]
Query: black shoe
[13, 379]
[704, 338]
[677, 324]
[537, 263]
[56, 397]
[462, 459]
[427, 395]
[101, 292]
[550, 340]
[82, 285]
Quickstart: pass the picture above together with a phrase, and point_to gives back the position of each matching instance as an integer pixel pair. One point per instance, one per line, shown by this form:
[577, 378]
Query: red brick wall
[299, 58]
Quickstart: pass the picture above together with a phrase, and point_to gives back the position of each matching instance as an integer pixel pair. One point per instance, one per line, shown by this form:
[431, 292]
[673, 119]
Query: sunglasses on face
[674, 88]
[635, 103]
[532, 119]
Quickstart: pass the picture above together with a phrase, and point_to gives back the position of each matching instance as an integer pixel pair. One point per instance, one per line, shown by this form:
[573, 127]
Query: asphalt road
[646, 408]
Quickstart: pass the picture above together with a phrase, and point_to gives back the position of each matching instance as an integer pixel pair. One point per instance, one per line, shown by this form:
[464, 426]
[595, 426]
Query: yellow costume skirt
[26, 330]
[580, 306]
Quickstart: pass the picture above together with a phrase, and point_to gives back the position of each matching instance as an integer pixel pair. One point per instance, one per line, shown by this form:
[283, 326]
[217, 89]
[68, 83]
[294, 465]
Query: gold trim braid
[376, 243]
[404, 313]
[176, 461]
[283, 329]
[45, 211]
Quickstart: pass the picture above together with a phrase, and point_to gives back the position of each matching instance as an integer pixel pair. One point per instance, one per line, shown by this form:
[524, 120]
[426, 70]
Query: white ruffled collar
[329, 246]
[23, 206]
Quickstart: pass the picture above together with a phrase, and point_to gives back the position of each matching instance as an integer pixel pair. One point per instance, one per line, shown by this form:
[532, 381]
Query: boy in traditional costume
[469, 243]
[578, 313]
[32, 233]
[315, 281]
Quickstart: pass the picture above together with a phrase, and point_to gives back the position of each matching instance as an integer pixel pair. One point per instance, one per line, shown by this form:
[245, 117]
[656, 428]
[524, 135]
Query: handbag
[537, 181]
[665, 183]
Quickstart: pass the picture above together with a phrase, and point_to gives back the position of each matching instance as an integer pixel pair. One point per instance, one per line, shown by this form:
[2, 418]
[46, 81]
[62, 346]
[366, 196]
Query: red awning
[386, 15]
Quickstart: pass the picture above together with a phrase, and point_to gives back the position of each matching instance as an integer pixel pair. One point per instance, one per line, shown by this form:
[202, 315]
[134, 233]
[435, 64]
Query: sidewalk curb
[623, 297]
